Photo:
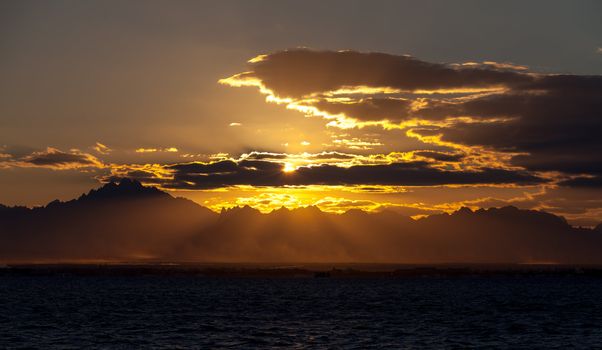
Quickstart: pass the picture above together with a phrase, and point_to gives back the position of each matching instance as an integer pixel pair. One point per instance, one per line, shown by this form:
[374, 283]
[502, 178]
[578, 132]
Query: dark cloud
[280, 156]
[582, 181]
[301, 72]
[54, 159]
[225, 166]
[332, 155]
[557, 129]
[58, 159]
[553, 122]
[440, 156]
[263, 173]
[394, 109]
[265, 155]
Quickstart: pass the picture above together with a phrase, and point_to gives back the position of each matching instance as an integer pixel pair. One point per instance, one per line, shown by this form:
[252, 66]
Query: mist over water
[202, 312]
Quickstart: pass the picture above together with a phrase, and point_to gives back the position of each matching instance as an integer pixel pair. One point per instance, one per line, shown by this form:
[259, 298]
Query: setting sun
[288, 168]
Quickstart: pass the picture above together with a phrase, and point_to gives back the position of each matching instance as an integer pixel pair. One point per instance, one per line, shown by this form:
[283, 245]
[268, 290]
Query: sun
[288, 168]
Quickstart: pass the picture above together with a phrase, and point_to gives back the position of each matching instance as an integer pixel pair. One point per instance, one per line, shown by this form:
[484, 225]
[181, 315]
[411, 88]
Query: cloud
[583, 181]
[440, 156]
[556, 129]
[498, 115]
[264, 155]
[302, 72]
[154, 150]
[341, 205]
[53, 158]
[370, 108]
[102, 149]
[198, 175]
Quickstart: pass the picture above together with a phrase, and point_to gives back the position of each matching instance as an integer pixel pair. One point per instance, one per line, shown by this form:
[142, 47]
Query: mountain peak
[464, 211]
[129, 183]
[125, 188]
[238, 210]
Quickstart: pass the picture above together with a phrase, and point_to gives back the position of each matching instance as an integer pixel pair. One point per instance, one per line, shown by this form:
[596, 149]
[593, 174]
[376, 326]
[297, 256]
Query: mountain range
[127, 221]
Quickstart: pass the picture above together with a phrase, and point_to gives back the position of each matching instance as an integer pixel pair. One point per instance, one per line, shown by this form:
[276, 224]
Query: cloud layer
[301, 72]
[543, 123]
[52, 158]
[199, 175]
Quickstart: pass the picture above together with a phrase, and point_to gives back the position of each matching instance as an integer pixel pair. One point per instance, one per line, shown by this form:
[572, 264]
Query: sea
[67, 311]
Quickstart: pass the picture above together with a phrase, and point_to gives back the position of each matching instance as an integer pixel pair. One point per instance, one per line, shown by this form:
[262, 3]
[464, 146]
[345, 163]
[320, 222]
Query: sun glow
[288, 168]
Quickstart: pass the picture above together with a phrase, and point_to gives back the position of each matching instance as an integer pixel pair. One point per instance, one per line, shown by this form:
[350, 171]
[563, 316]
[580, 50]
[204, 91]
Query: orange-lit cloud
[153, 150]
[225, 173]
[102, 149]
[498, 115]
[54, 159]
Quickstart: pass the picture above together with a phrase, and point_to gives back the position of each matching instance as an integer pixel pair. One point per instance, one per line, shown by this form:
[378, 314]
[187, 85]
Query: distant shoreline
[299, 270]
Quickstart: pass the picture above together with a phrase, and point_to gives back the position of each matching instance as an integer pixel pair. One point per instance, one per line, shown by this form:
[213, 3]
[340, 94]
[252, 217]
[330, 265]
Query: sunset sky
[419, 107]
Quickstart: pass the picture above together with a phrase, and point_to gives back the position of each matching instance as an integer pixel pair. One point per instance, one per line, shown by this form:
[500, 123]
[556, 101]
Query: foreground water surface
[209, 312]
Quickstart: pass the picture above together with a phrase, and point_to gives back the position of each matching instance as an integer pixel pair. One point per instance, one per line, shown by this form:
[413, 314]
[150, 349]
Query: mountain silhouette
[127, 221]
[117, 221]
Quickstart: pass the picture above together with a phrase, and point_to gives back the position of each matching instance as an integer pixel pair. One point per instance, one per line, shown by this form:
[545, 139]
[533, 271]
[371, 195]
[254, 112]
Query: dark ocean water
[200, 312]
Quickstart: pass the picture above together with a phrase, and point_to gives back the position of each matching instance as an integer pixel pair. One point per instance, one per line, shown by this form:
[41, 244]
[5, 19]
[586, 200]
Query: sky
[419, 107]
